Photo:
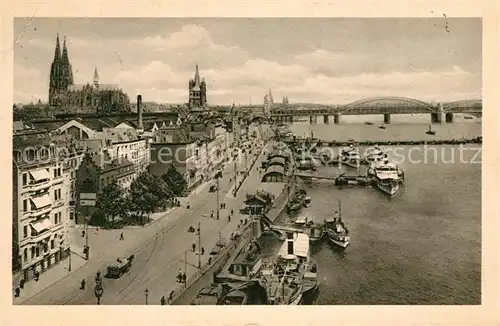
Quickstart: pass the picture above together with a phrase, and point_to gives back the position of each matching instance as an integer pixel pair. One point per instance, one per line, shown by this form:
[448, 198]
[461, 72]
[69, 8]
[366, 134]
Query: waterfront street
[159, 250]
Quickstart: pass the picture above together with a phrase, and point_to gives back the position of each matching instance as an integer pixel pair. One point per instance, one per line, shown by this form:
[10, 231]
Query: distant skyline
[330, 60]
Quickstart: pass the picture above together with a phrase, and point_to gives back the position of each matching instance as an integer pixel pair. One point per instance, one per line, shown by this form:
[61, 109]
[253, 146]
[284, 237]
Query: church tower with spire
[96, 78]
[197, 92]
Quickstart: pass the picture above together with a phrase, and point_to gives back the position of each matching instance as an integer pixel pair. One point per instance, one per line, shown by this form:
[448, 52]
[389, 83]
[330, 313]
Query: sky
[309, 60]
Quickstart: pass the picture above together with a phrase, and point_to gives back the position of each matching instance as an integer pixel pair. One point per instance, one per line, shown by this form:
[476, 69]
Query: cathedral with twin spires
[84, 98]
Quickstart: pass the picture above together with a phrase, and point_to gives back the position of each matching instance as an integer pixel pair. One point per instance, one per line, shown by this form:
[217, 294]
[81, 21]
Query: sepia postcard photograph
[261, 161]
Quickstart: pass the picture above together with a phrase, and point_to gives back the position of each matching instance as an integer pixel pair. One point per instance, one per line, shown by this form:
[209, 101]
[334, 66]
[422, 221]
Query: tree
[111, 201]
[147, 193]
[175, 181]
[140, 199]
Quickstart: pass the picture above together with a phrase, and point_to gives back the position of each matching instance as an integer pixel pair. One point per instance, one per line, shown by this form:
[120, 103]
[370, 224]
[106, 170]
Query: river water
[422, 246]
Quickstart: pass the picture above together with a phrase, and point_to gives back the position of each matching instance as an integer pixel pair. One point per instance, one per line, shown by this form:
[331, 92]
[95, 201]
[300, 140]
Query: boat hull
[342, 244]
[389, 189]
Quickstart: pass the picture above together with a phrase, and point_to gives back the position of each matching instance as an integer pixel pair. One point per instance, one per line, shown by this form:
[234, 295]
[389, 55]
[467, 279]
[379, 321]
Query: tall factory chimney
[139, 112]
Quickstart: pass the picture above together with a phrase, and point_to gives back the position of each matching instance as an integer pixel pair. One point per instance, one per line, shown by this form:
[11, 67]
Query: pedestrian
[171, 296]
[184, 277]
[121, 236]
[82, 285]
[17, 292]
[229, 218]
[209, 260]
[194, 247]
[37, 276]
[202, 251]
[21, 283]
[162, 300]
[83, 233]
[179, 276]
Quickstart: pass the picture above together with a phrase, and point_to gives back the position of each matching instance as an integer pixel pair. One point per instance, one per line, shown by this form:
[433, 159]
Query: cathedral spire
[57, 54]
[65, 51]
[96, 77]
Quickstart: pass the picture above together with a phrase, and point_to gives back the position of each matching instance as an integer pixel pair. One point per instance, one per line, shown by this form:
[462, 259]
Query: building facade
[87, 98]
[41, 197]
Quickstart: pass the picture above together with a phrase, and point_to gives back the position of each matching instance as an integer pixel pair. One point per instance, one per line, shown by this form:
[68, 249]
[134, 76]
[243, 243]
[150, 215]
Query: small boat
[381, 127]
[209, 295]
[368, 123]
[297, 200]
[336, 230]
[315, 232]
[235, 298]
[430, 131]
[374, 155]
[307, 201]
[311, 282]
[300, 221]
[350, 157]
[468, 117]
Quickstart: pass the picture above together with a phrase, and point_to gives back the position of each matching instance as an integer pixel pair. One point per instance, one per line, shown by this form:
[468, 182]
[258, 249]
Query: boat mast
[340, 209]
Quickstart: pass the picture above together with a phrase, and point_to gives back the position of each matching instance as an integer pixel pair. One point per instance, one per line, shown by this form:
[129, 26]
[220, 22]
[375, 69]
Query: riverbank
[322, 143]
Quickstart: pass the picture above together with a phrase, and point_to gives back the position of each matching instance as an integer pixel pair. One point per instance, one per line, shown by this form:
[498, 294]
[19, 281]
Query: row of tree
[147, 193]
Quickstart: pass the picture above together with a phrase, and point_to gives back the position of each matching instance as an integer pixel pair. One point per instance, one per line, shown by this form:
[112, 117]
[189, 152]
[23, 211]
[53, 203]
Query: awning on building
[41, 225]
[41, 201]
[40, 175]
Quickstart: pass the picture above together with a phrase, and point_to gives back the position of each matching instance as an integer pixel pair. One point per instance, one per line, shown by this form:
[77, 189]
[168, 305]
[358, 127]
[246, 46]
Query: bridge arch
[464, 105]
[387, 103]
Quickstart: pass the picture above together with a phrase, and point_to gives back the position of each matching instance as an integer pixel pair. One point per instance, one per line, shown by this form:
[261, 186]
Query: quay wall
[323, 143]
[184, 294]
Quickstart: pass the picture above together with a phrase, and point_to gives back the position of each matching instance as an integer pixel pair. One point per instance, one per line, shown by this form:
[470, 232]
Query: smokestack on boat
[139, 112]
[290, 243]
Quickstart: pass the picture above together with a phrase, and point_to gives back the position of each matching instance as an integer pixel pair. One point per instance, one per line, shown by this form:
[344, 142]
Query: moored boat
[349, 156]
[373, 155]
[297, 200]
[283, 280]
[307, 201]
[387, 176]
[336, 230]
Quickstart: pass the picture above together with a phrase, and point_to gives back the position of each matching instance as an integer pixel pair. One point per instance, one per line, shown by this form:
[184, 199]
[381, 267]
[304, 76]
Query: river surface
[422, 246]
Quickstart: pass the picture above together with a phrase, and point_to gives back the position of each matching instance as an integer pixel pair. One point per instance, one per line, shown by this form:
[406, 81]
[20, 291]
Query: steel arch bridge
[376, 105]
[464, 106]
[387, 105]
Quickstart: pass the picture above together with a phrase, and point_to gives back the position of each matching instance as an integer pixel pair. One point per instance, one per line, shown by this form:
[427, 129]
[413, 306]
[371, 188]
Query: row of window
[34, 233]
[37, 250]
[27, 178]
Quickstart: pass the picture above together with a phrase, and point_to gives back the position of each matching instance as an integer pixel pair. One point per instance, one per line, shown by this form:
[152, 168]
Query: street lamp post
[199, 244]
[217, 176]
[146, 294]
[235, 175]
[69, 251]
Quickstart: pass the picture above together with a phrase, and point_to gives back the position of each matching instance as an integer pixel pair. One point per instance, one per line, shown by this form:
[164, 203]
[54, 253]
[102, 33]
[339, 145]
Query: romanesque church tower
[197, 92]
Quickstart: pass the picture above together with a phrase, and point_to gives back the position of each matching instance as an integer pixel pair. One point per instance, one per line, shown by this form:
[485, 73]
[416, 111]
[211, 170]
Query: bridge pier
[336, 118]
[313, 119]
[437, 117]
[326, 119]
[387, 118]
[449, 117]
